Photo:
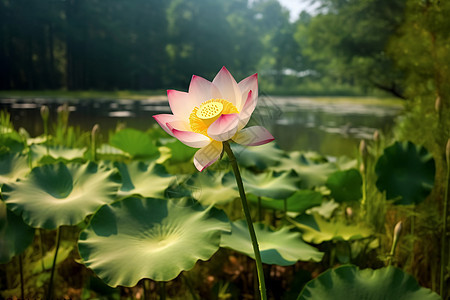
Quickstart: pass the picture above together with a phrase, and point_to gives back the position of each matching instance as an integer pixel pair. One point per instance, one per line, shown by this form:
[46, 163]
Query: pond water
[331, 128]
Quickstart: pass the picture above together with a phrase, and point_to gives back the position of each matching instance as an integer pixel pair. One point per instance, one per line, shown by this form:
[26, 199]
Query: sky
[296, 6]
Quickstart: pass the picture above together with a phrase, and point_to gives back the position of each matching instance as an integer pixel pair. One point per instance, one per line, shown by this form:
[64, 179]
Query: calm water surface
[330, 127]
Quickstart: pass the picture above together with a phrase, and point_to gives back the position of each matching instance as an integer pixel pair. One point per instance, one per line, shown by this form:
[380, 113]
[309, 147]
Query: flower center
[208, 112]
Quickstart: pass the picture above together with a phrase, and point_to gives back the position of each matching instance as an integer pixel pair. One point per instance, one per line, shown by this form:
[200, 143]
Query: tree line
[158, 44]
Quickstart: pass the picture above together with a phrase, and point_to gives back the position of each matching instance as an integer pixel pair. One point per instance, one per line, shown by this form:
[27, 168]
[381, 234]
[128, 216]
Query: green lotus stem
[162, 290]
[332, 253]
[363, 169]
[22, 293]
[50, 286]
[146, 287]
[444, 222]
[41, 249]
[44, 114]
[94, 133]
[187, 280]
[237, 174]
[259, 209]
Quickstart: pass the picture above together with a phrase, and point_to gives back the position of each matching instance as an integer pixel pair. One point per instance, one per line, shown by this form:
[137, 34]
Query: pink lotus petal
[201, 90]
[247, 110]
[224, 128]
[228, 87]
[163, 120]
[253, 136]
[248, 84]
[191, 139]
[180, 104]
[206, 156]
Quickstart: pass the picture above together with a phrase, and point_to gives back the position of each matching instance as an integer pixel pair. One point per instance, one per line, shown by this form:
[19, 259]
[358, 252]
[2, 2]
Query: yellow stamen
[208, 112]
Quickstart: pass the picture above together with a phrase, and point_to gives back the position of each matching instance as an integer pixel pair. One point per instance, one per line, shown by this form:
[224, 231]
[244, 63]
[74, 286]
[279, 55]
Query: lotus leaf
[260, 157]
[208, 188]
[311, 173]
[58, 194]
[326, 209]
[15, 235]
[348, 282]
[106, 151]
[345, 186]
[317, 230]
[38, 152]
[179, 152]
[299, 202]
[136, 143]
[145, 179]
[275, 185]
[149, 238]
[405, 171]
[12, 167]
[281, 247]
[10, 141]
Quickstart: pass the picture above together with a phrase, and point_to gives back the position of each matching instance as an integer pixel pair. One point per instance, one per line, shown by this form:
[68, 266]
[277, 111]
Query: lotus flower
[214, 112]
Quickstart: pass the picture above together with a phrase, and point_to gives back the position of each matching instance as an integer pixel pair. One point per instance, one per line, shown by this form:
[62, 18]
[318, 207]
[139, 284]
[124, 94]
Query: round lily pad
[145, 179]
[12, 167]
[54, 153]
[260, 157]
[299, 202]
[149, 238]
[209, 188]
[59, 194]
[275, 185]
[316, 229]
[15, 235]
[345, 186]
[350, 283]
[406, 172]
[137, 143]
[311, 172]
[281, 247]
[179, 152]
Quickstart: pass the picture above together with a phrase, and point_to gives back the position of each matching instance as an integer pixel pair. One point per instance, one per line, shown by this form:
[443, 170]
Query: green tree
[347, 41]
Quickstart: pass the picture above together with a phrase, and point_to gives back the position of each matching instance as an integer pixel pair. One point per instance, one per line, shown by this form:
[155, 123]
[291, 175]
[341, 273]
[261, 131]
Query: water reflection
[331, 128]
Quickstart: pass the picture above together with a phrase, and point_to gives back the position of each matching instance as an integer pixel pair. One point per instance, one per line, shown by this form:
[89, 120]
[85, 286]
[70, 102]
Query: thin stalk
[146, 287]
[187, 280]
[46, 137]
[444, 232]
[41, 249]
[237, 174]
[332, 254]
[259, 209]
[52, 274]
[413, 225]
[22, 293]
[162, 290]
